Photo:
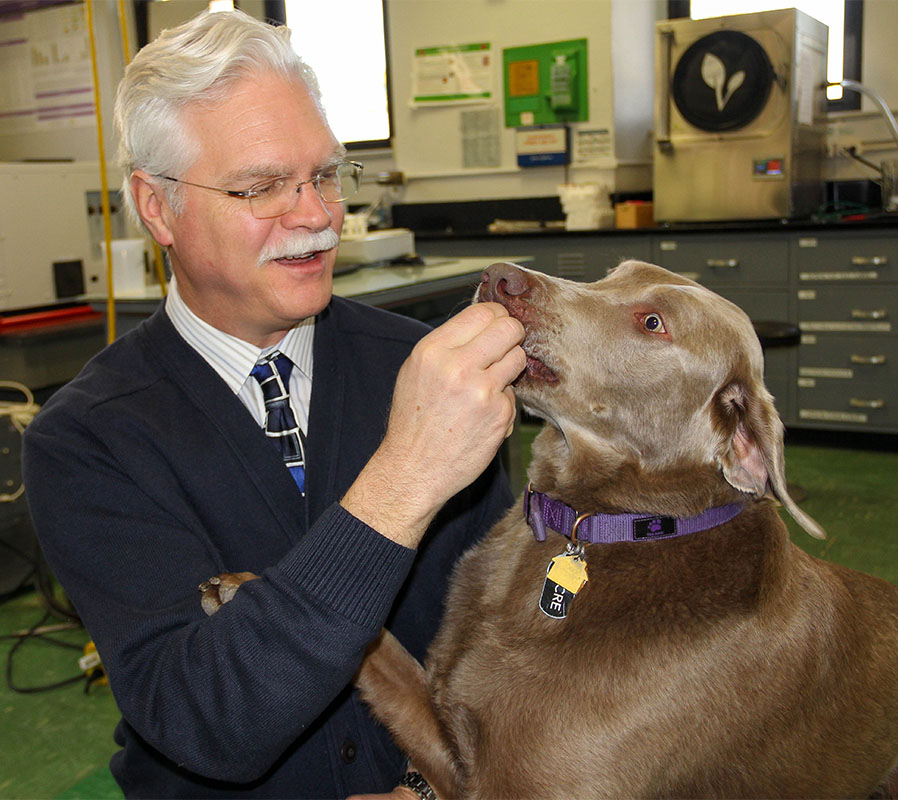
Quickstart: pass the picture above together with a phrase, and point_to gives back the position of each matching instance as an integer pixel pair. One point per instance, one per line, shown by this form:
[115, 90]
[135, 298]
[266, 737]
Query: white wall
[79, 143]
[427, 141]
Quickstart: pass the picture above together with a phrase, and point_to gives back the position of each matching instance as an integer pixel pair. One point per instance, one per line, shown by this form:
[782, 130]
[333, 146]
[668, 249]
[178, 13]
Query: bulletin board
[546, 83]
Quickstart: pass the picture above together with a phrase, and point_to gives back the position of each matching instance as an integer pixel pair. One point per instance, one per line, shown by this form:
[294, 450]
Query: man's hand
[452, 408]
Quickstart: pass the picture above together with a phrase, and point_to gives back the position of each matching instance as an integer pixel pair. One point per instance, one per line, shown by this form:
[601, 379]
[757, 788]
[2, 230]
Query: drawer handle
[857, 402]
[869, 261]
[729, 263]
[873, 313]
[859, 359]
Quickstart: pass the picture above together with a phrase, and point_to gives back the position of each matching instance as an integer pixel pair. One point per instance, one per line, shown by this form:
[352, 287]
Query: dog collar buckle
[533, 512]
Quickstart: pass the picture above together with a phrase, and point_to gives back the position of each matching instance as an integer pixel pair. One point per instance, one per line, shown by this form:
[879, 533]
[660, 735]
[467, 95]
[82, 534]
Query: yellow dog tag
[568, 571]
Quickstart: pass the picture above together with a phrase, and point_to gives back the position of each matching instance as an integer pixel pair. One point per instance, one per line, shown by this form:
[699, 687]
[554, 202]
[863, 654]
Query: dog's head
[653, 388]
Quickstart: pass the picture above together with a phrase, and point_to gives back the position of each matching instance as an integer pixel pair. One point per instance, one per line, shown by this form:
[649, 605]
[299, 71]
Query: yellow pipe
[158, 263]
[104, 179]
[123, 24]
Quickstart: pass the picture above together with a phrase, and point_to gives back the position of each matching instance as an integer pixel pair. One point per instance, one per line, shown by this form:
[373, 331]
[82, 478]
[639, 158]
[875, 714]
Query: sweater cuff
[356, 568]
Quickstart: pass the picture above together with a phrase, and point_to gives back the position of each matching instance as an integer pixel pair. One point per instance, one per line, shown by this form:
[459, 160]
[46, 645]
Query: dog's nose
[503, 280]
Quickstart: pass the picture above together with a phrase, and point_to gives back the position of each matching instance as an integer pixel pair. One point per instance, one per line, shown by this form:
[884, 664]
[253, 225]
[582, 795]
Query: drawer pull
[859, 359]
[857, 402]
[869, 261]
[729, 263]
[873, 313]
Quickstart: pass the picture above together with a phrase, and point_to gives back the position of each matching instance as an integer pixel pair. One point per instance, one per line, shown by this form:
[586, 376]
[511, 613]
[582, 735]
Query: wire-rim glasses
[277, 196]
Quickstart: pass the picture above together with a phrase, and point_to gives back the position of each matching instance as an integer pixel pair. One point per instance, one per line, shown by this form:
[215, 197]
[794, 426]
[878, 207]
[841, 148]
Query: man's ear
[152, 207]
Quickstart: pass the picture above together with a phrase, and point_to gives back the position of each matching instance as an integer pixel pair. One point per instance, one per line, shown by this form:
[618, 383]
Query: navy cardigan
[146, 475]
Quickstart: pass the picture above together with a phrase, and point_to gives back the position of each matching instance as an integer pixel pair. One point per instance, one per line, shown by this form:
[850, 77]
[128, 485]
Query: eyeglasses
[273, 198]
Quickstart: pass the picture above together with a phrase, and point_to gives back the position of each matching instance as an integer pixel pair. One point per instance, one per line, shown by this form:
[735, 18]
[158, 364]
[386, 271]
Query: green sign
[546, 83]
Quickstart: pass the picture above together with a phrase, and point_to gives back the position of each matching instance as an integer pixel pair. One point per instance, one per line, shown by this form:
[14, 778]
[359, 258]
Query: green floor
[58, 743]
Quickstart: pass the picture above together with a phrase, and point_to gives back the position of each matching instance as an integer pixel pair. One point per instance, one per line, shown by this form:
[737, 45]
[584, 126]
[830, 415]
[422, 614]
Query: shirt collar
[230, 357]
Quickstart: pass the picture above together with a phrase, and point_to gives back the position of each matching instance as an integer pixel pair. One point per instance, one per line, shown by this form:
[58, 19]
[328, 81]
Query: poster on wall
[45, 61]
[452, 74]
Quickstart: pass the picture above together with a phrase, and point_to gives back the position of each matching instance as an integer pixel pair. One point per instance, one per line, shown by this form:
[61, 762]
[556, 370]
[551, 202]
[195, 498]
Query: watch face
[722, 81]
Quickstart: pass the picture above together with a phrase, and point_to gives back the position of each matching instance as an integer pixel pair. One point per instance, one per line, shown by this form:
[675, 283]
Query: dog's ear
[751, 456]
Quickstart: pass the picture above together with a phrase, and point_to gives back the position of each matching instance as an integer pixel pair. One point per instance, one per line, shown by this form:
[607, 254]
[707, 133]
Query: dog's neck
[542, 512]
[611, 480]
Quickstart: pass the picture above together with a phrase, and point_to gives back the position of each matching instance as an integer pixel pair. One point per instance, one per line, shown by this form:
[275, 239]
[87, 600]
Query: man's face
[255, 278]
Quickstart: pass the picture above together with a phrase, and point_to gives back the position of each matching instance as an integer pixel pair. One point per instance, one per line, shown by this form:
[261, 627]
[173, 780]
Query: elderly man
[255, 423]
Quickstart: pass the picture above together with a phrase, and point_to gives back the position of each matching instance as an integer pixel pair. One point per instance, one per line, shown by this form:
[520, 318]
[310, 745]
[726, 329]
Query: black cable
[32, 634]
[852, 152]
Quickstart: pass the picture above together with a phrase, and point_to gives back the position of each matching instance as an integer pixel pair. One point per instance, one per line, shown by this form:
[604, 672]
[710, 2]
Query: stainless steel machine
[739, 130]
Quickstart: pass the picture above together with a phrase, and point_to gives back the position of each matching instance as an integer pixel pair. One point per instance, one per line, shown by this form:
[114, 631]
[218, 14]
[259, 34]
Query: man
[151, 471]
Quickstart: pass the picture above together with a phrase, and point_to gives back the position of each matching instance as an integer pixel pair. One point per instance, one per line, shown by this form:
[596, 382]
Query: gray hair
[197, 61]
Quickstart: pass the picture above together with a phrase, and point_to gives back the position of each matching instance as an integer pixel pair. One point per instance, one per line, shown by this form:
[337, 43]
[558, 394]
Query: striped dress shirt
[233, 359]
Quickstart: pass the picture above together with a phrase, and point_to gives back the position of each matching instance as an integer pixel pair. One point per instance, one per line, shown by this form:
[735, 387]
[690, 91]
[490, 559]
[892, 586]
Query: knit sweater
[146, 475]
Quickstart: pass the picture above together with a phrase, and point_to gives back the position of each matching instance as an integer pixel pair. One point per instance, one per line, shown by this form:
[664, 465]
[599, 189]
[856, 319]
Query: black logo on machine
[722, 81]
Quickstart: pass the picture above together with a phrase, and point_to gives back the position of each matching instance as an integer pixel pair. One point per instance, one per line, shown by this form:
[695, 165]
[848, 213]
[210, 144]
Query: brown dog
[705, 655]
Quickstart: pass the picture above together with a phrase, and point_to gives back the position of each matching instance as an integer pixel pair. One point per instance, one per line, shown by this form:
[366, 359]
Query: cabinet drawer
[856, 259]
[849, 380]
[725, 259]
[847, 309]
[769, 304]
[867, 362]
[829, 404]
[590, 258]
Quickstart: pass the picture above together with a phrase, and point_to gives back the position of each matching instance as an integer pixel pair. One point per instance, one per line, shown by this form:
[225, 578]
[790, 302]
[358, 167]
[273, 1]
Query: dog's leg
[221, 589]
[394, 685]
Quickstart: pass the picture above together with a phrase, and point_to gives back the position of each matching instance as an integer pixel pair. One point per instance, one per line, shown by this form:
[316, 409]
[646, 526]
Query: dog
[641, 625]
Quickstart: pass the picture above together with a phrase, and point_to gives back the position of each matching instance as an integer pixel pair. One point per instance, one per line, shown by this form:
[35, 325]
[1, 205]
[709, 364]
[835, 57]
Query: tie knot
[273, 375]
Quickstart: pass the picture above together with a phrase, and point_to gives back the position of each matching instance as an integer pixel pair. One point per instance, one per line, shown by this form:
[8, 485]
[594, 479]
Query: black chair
[772, 333]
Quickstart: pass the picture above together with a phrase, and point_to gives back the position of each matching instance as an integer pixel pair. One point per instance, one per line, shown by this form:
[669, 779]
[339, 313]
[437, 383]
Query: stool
[773, 333]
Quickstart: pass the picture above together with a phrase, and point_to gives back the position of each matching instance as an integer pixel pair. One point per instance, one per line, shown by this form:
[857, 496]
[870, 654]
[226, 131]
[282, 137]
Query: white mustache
[300, 244]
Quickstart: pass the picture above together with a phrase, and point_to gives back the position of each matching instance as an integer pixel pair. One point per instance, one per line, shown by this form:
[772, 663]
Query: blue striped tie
[273, 375]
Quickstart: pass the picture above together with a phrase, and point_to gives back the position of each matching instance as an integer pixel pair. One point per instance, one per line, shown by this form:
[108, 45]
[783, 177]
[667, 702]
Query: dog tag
[565, 576]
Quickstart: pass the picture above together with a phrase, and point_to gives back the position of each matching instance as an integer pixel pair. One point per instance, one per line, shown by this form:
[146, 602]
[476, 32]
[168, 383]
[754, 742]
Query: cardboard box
[633, 214]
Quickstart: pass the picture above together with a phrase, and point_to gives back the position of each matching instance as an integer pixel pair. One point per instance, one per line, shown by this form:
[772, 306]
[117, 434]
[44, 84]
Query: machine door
[722, 81]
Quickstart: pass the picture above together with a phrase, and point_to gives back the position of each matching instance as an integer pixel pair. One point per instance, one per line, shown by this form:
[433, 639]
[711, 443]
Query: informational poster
[45, 63]
[453, 74]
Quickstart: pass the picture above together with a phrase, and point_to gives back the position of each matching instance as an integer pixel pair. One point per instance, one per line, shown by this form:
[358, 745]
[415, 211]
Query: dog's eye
[653, 323]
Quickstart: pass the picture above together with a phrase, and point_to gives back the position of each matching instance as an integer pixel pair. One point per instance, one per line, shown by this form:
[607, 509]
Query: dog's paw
[219, 589]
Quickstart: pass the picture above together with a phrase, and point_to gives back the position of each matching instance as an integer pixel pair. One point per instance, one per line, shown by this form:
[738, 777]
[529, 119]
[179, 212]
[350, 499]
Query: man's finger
[467, 324]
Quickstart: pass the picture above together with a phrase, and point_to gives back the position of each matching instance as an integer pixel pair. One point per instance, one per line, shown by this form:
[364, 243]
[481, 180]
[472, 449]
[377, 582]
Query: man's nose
[309, 211]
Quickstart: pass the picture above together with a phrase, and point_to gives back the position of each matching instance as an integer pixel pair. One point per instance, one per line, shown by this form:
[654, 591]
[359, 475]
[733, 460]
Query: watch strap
[418, 784]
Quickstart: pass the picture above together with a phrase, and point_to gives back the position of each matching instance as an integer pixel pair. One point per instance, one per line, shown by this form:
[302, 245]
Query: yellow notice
[523, 78]
[568, 572]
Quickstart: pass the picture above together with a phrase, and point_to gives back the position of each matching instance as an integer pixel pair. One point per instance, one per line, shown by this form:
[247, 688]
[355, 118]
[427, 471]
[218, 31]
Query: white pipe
[876, 98]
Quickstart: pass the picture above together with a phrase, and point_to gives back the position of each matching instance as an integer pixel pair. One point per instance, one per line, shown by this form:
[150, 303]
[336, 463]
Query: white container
[587, 206]
[128, 264]
[355, 226]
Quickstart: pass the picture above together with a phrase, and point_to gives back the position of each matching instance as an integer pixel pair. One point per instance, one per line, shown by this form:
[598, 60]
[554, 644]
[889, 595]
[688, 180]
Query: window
[344, 41]
[844, 18]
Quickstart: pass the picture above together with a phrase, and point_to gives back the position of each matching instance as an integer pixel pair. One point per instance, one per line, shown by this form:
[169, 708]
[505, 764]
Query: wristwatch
[418, 784]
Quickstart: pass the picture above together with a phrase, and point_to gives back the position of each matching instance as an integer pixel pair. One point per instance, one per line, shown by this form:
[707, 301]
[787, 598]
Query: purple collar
[542, 512]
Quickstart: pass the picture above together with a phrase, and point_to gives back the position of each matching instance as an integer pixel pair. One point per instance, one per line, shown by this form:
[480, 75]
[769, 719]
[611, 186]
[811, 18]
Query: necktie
[273, 375]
